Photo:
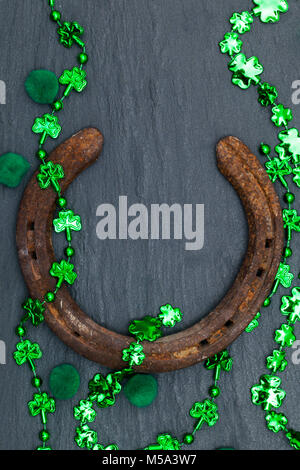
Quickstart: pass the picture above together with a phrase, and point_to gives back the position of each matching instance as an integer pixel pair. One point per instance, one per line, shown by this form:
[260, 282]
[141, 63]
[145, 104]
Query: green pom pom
[141, 390]
[42, 86]
[12, 169]
[64, 382]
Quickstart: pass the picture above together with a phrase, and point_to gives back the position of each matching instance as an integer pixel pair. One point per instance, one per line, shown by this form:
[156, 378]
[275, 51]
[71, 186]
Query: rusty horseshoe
[210, 335]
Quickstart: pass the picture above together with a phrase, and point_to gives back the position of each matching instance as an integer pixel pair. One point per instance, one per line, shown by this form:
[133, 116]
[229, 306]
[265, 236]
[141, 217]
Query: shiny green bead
[44, 435]
[288, 252]
[20, 331]
[42, 154]
[188, 439]
[55, 15]
[62, 202]
[289, 198]
[267, 302]
[83, 58]
[265, 149]
[50, 297]
[214, 392]
[37, 382]
[69, 251]
[57, 105]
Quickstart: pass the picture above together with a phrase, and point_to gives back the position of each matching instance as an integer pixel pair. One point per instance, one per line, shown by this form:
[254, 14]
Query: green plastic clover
[220, 361]
[269, 10]
[291, 221]
[245, 71]
[69, 33]
[41, 404]
[49, 174]
[281, 116]
[267, 94]
[104, 390]
[67, 221]
[267, 393]
[169, 316]
[147, 329]
[84, 412]
[134, 354]
[47, 125]
[285, 336]
[296, 178]
[205, 412]
[231, 44]
[283, 153]
[283, 276]
[241, 22]
[291, 306]
[27, 351]
[64, 272]
[290, 138]
[86, 437]
[254, 323]
[277, 168]
[109, 447]
[165, 442]
[277, 362]
[294, 438]
[74, 79]
[276, 421]
[34, 311]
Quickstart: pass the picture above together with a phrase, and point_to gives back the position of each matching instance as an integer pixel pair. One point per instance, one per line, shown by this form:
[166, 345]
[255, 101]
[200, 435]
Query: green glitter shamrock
[64, 272]
[169, 316]
[276, 421]
[290, 138]
[294, 438]
[86, 437]
[267, 393]
[165, 442]
[267, 94]
[41, 404]
[34, 311]
[104, 389]
[291, 221]
[109, 447]
[205, 412]
[277, 362]
[245, 71]
[47, 125]
[147, 329]
[277, 168]
[220, 361]
[74, 79]
[296, 178]
[27, 351]
[269, 10]
[70, 33]
[283, 153]
[134, 354]
[254, 323]
[84, 412]
[49, 174]
[284, 276]
[241, 22]
[67, 221]
[285, 336]
[231, 44]
[281, 116]
[291, 306]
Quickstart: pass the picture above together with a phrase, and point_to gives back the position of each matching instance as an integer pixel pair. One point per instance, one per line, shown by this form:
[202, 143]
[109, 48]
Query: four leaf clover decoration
[147, 329]
[277, 362]
[49, 174]
[47, 125]
[86, 437]
[67, 222]
[291, 221]
[165, 442]
[291, 140]
[269, 10]
[104, 390]
[267, 393]
[27, 351]
[220, 361]
[277, 168]
[134, 354]
[281, 116]
[75, 79]
[283, 276]
[84, 412]
[64, 272]
[267, 94]
[276, 421]
[34, 311]
[69, 33]
[41, 404]
[231, 44]
[285, 336]
[246, 72]
[205, 412]
[169, 316]
[241, 22]
[291, 306]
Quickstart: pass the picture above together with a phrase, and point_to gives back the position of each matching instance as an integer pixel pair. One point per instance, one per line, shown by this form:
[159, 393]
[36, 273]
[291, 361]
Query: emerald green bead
[37, 382]
[42, 154]
[44, 435]
[289, 198]
[55, 15]
[214, 391]
[265, 149]
[20, 331]
[57, 105]
[288, 252]
[64, 381]
[69, 251]
[83, 58]
[50, 297]
[141, 390]
[188, 439]
[42, 86]
[62, 202]
[267, 302]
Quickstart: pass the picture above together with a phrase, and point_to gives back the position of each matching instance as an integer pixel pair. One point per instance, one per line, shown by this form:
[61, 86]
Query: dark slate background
[160, 92]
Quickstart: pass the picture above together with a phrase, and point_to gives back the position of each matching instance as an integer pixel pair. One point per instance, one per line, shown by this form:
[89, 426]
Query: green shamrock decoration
[241, 22]
[69, 33]
[27, 351]
[67, 221]
[277, 168]
[205, 412]
[291, 306]
[285, 336]
[267, 94]
[169, 316]
[245, 71]
[291, 140]
[147, 329]
[291, 221]
[41, 404]
[277, 362]
[294, 438]
[109, 447]
[253, 324]
[86, 437]
[231, 44]
[220, 361]
[269, 10]
[296, 178]
[104, 390]
[49, 174]
[134, 354]
[283, 153]
[84, 412]
[267, 393]
[64, 272]
[276, 421]
[281, 116]
[47, 125]
[165, 442]
[34, 311]
[75, 79]
[283, 276]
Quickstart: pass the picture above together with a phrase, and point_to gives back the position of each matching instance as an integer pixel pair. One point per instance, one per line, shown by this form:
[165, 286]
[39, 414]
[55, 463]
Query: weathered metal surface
[214, 332]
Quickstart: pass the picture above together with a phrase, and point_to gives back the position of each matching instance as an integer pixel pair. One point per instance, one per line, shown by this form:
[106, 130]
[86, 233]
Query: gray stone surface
[160, 92]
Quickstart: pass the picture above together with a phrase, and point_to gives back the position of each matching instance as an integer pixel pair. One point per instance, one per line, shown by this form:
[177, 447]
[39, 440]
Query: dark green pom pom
[141, 390]
[12, 169]
[42, 86]
[64, 382]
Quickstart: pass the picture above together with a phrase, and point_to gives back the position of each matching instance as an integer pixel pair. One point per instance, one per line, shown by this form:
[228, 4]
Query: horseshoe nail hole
[260, 272]
[31, 226]
[229, 324]
[204, 342]
[75, 333]
[33, 255]
[269, 242]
